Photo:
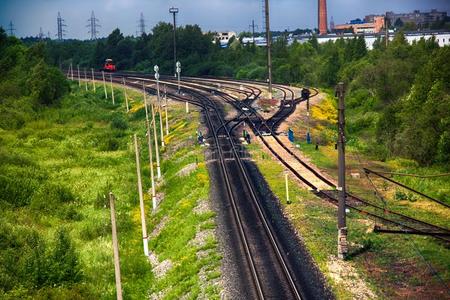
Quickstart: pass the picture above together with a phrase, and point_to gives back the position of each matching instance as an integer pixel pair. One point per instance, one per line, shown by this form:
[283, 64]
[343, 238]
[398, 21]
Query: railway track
[272, 274]
[362, 206]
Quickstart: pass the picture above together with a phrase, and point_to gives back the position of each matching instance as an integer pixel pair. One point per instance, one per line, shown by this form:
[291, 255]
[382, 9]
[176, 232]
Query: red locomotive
[109, 66]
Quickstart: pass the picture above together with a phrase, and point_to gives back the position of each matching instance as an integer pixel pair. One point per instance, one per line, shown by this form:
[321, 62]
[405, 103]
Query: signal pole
[269, 47]
[93, 25]
[342, 226]
[174, 11]
[61, 24]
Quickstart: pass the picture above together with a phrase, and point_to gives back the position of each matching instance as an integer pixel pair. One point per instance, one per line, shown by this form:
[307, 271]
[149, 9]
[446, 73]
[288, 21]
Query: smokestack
[323, 17]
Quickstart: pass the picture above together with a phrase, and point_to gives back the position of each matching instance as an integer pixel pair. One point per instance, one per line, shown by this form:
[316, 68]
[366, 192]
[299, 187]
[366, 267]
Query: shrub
[119, 122]
[50, 196]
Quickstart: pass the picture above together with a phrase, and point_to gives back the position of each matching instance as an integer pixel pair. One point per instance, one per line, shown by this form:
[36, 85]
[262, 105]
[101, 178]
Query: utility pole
[11, 28]
[141, 25]
[269, 46]
[125, 93]
[158, 95]
[141, 197]
[112, 89]
[342, 227]
[60, 22]
[104, 85]
[93, 25]
[174, 11]
[93, 80]
[115, 246]
[150, 150]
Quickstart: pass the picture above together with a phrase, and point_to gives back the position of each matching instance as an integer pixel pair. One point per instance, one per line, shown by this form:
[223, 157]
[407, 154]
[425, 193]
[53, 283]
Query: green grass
[59, 165]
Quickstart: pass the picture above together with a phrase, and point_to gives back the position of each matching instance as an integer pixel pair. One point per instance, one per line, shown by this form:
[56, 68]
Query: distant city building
[417, 17]
[224, 37]
[374, 24]
[332, 24]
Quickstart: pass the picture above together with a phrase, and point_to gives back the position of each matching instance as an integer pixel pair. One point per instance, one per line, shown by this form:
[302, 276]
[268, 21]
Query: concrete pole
[166, 110]
[269, 47]
[187, 107]
[79, 79]
[288, 201]
[115, 247]
[159, 113]
[342, 227]
[71, 71]
[85, 80]
[112, 89]
[141, 197]
[125, 93]
[104, 85]
[158, 167]
[93, 80]
[150, 150]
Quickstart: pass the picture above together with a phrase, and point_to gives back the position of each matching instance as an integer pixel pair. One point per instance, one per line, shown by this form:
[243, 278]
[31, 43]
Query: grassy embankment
[56, 169]
[394, 266]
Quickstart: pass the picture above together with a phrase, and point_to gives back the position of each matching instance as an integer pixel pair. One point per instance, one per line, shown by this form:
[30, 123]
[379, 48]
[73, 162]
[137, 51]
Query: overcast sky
[215, 15]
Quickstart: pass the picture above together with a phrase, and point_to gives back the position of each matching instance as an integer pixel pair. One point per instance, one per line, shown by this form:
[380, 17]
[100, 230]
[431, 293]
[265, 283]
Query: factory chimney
[323, 17]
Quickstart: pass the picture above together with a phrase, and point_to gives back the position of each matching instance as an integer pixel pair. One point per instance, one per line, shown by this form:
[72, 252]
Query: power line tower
[61, 24]
[41, 34]
[252, 27]
[141, 25]
[11, 28]
[93, 25]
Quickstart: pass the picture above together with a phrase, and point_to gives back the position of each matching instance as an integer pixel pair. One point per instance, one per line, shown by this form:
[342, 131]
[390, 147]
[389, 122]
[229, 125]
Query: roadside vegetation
[62, 149]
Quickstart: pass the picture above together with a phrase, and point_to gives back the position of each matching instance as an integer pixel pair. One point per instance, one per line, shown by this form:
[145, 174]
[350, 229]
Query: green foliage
[47, 84]
[119, 122]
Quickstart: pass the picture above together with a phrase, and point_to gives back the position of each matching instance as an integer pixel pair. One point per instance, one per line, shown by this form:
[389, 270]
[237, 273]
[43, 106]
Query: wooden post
[141, 197]
[166, 110]
[115, 247]
[158, 167]
[112, 89]
[104, 85]
[150, 150]
[85, 80]
[125, 92]
[93, 80]
[288, 201]
[79, 79]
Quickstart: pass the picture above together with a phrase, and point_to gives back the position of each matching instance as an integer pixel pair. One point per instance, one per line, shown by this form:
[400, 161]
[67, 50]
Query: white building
[442, 38]
[224, 37]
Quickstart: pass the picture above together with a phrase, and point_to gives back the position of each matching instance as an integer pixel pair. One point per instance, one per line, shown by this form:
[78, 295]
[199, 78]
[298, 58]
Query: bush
[119, 122]
[50, 197]
[47, 84]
